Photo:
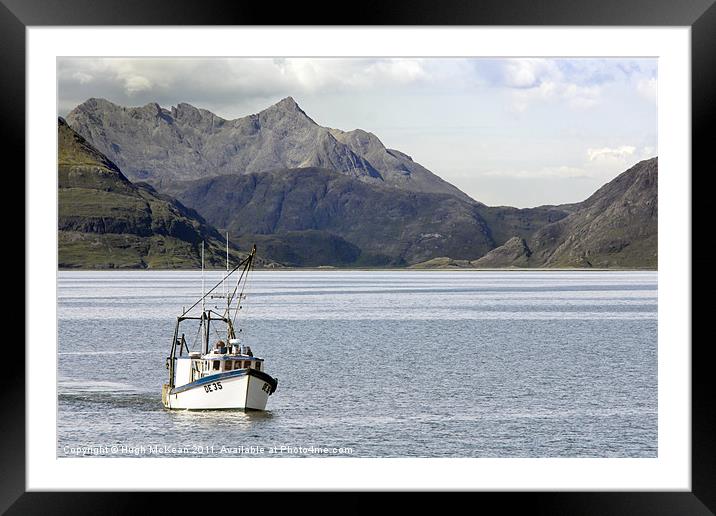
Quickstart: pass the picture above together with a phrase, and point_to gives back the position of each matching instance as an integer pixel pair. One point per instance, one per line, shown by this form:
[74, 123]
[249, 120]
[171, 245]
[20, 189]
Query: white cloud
[648, 152]
[317, 75]
[581, 97]
[136, 83]
[528, 73]
[573, 95]
[233, 85]
[82, 77]
[230, 85]
[647, 88]
[576, 83]
[619, 153]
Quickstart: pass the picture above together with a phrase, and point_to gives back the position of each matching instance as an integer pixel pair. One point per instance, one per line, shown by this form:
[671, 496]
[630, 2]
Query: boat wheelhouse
[225, 375]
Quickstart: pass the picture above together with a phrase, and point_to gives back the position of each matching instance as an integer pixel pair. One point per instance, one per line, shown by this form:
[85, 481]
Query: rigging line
[238, 305]
[233, 294]
[246, 319]
[227, 313]
[243, 262]
[249, 260]
[241, 295]
[238, 302]
[238, 297]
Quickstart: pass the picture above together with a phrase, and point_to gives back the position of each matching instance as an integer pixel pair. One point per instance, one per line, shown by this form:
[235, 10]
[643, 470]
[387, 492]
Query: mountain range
[614, 227]
[310, 195]
[162, 146]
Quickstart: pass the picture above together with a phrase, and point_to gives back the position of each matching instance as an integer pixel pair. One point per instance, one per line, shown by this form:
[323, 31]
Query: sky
[520, 131]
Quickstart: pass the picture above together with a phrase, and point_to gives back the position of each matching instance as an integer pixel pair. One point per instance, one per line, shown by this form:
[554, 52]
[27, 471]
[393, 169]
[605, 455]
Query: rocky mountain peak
[185, 111]
[193, 116]
[91, 106]
[360, 141]
[287, 103]
[96, 102]
[286, 109]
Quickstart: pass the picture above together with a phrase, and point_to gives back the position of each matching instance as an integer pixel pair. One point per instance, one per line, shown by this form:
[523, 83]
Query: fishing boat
[225, 375]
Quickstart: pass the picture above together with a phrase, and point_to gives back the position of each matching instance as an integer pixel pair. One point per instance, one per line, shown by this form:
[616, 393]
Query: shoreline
[387, 269]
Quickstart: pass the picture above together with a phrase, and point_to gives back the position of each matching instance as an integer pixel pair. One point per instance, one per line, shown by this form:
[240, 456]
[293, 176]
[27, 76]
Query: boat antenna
[226, 292]
[203, 293]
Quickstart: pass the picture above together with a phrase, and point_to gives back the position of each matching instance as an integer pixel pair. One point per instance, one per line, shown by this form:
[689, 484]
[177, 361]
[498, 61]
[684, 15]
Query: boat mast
[226, 292]
[204, 318]
[203, 293]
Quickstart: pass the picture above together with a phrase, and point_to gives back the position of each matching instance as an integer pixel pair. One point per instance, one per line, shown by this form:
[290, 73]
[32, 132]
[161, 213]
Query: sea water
[372, 364]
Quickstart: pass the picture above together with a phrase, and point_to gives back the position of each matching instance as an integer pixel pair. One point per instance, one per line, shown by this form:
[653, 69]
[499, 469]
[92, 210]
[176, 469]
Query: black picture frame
[700, 15]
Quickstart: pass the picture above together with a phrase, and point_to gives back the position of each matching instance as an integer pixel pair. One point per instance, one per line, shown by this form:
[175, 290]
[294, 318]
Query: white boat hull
[244, 389]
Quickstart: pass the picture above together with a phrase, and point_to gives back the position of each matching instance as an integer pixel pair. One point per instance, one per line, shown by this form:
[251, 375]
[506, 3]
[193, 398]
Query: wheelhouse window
[227, 365]
[215, 366]
[258, 366]
[237, 364]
